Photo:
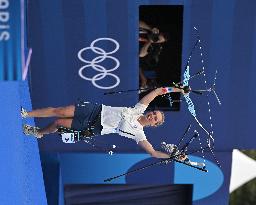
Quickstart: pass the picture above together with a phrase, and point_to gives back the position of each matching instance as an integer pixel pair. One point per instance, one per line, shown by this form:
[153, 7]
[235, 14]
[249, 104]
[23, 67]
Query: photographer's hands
[155, 30]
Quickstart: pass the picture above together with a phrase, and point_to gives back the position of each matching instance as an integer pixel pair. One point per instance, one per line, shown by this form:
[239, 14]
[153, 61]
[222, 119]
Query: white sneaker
[30, 130]
[24, 113]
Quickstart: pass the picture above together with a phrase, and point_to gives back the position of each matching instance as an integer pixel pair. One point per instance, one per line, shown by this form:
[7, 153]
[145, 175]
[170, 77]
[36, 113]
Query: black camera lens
[154, 37]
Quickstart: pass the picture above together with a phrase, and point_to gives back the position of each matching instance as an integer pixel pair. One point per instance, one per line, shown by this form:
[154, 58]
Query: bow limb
[186, 76]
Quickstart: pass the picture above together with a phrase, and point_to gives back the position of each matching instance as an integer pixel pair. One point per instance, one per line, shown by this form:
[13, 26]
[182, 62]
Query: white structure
[243, 170]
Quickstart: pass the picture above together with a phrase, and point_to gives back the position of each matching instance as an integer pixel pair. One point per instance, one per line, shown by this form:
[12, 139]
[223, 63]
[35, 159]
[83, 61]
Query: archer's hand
[184, 91]
[182, 157]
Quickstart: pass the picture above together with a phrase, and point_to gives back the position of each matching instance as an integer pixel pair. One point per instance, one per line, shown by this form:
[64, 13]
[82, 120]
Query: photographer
[151, 41]
[152, 35]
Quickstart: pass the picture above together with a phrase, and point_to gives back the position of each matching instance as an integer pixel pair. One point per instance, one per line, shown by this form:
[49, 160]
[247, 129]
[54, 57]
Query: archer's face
[154, 118]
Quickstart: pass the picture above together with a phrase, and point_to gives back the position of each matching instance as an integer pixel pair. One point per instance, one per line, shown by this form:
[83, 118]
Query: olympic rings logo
[94, 63]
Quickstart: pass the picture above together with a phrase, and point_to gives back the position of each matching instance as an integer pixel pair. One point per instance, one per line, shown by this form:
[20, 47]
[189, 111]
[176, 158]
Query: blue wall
[227, 31]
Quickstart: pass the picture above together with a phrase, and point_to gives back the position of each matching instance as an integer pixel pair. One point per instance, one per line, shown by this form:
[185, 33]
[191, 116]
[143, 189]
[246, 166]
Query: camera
[153, 36]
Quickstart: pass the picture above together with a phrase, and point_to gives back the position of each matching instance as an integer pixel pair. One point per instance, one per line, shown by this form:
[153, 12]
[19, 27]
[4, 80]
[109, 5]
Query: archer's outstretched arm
[151, 96]
[159, 91]
[144, 144]
[150, 150]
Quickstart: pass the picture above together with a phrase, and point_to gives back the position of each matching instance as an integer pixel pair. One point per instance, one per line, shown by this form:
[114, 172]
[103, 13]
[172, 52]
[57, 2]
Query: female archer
[94, 119]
